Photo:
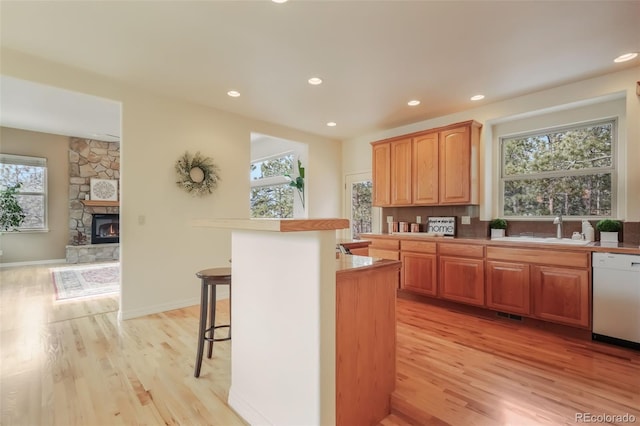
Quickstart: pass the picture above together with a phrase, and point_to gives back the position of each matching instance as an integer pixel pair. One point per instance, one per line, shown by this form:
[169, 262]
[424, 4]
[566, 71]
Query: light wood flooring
[74, 363]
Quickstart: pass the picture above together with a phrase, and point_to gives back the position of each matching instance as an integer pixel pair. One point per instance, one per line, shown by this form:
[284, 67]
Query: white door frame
[376, 212]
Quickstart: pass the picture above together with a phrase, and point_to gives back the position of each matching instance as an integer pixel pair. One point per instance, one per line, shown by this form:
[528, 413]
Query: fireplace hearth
[105, 228]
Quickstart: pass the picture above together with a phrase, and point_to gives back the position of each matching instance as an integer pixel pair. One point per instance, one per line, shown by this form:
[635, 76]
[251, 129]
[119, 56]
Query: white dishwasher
[616, 299]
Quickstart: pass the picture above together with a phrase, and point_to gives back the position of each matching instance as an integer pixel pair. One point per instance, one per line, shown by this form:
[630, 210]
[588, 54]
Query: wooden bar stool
[211, 278]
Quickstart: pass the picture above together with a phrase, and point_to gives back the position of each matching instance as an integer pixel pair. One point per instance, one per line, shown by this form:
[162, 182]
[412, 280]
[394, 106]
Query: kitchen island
[303, 321]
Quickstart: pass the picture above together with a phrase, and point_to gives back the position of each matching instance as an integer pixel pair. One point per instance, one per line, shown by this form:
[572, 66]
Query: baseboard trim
[245, 410]
[156, 309]
[32, 262]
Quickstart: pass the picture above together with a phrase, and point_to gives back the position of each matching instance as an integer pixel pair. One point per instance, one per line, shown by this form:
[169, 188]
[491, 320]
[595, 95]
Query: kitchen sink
[550, 240]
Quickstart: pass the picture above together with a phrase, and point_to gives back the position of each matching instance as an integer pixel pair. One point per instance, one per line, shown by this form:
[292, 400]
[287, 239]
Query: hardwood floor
[74, 363]
[459, 369]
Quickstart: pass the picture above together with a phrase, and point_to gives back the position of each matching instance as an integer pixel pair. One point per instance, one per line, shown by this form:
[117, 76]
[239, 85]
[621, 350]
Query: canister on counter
[415, 227]
[393, 227]
[404, 226]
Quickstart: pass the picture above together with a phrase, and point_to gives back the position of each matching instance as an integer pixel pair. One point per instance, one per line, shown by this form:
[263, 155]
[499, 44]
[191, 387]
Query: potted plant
[11, 213]
[609, 230]
[498, 227]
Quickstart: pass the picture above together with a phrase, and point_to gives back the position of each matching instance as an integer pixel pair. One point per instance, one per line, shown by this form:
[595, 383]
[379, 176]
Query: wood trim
[99, 203]
[418, 246]
[274, 225]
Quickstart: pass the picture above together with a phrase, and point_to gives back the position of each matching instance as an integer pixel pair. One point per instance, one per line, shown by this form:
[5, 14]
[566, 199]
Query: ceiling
[374, 56]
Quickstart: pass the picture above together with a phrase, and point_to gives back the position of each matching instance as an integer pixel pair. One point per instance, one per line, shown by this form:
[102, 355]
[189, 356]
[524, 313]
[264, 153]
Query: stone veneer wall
[89, 159]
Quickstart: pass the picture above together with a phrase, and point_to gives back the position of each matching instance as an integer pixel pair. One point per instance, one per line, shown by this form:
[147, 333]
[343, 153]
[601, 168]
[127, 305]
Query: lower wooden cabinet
[419, 273]
[461, 279]
[508, 287]
[561, 294]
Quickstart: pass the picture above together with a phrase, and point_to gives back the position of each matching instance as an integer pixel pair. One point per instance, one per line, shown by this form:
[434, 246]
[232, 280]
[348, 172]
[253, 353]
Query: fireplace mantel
[98, 203]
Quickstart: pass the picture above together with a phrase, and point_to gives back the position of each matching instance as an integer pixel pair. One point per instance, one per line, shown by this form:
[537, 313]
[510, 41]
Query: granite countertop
[347, 262]
[596, 246]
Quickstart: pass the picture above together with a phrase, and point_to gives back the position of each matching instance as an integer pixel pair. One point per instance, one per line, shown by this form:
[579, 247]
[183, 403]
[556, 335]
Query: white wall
[160, 251]
[356, 153]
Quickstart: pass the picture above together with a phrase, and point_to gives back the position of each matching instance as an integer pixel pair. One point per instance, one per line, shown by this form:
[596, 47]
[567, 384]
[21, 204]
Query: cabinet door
[381, 176]
[455, 166]
[401, 172]
[561, 294]
[462, 279]
[425, 169]
[418, 273]
[508, 287]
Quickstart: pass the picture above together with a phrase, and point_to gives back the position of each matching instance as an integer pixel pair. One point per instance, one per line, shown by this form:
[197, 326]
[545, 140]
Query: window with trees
[271, 196]
[568, 171]
[31, 174]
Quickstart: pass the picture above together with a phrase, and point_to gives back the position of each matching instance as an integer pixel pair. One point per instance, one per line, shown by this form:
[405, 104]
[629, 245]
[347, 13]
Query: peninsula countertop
[352, 263]
[274, 225]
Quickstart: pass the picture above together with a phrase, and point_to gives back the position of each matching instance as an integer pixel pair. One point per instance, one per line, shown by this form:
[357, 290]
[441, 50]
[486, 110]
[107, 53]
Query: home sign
[442, 225]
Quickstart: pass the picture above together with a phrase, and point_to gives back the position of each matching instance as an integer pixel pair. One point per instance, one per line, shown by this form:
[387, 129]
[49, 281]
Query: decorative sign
[104, 189]
[442, 225]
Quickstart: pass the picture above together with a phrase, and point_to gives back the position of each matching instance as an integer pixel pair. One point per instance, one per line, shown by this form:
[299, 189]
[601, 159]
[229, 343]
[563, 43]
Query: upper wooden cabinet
[433, 167]
[424, 169]
[382, 174]
[401, 172]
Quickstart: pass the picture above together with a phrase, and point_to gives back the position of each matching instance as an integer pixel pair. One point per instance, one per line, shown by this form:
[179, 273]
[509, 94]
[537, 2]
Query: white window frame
[23, 160]
[613, 169]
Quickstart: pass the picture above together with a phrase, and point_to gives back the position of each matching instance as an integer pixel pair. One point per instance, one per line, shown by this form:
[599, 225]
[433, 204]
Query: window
[31, 172]
[358, 205]
[271, 195]
[568, 171]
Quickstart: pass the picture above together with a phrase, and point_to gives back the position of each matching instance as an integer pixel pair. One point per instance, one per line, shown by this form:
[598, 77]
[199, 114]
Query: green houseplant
[11, 213]
[498, 228]
[298, 182]
[609, 229]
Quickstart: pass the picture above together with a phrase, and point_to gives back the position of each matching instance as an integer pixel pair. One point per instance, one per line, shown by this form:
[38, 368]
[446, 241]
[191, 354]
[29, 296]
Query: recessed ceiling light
[331, 124]
[315, 81]
[477, 97]
[413, 102]
[626, 57]
[233, 93]
[279, 1]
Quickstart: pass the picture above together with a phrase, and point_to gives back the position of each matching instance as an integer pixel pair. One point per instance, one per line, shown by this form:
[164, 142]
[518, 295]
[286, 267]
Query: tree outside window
[31, 173]
[271, 196]
[566, 171]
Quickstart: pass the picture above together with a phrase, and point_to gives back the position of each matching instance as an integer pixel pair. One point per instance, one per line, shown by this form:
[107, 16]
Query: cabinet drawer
[385, 244]
[574, 259]
[461, 250]
[418, 246]
[384, 254]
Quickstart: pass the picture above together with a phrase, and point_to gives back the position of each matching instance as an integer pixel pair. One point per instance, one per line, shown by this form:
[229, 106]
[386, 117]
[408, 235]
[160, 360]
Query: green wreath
[197, 174]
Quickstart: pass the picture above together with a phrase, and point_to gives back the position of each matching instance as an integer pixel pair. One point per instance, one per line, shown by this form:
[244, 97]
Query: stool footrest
[216, 339]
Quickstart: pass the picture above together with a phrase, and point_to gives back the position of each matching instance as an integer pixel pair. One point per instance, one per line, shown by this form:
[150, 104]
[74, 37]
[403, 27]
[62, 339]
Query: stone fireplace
[92, 159]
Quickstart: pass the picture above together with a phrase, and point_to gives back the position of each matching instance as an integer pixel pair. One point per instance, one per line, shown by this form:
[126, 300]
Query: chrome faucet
[558, 222]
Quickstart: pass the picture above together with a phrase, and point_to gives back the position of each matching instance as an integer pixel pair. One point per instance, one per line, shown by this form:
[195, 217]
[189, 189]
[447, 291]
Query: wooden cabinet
[455, 172]
[385, 248]
[381, 177]
[401, 172]
[558, 281]
[461, 273]
[561, 294]
[434, 167]
[419, 267]
[425, 169]
[508, 288]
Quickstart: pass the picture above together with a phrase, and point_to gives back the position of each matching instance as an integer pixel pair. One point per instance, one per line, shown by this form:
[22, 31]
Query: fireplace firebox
[105, 228]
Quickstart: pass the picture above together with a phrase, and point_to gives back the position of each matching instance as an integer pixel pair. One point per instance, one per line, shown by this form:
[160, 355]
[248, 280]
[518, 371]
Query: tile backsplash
[480, 229]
